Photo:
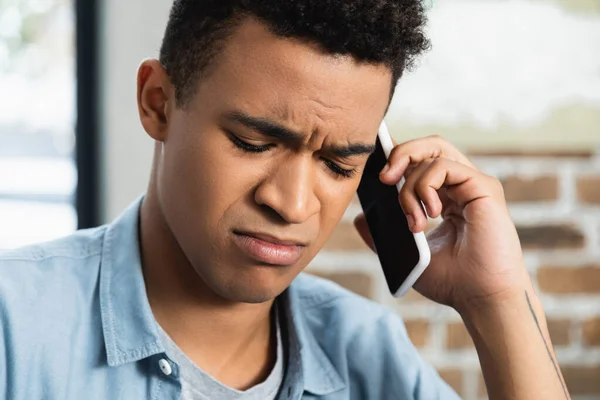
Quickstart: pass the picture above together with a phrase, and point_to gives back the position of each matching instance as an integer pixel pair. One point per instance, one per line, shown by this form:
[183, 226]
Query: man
[264, 113]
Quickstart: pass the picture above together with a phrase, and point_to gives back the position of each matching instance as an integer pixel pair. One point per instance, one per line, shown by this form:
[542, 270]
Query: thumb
[360, 223]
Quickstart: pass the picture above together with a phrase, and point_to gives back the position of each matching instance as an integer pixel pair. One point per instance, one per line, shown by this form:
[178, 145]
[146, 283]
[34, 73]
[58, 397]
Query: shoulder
[358, 323]
[36, 276]
[79, 245]
[366, 342]
[49, 302]
[317, 294]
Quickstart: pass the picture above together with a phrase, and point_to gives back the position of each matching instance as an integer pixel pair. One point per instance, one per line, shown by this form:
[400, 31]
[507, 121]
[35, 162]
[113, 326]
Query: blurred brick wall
[555, 202]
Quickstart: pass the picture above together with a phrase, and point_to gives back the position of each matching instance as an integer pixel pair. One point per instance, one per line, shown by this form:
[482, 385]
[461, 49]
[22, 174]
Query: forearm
[514, 348]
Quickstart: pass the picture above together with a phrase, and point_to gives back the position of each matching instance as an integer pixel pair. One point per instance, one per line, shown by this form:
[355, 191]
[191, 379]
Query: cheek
[333, 206]
[201, 180]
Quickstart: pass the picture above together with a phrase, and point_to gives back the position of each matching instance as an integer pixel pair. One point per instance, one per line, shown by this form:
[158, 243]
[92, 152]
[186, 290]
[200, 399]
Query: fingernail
[411, 221]
[385, 169]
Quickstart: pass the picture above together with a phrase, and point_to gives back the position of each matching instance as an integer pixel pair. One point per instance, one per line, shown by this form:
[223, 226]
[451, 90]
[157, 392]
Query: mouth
[269, 249]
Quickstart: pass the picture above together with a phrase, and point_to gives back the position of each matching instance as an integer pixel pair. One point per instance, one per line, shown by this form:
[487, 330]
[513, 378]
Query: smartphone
[403, 255]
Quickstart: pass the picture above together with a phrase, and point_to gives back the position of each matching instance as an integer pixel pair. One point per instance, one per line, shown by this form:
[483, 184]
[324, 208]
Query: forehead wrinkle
[317, 123]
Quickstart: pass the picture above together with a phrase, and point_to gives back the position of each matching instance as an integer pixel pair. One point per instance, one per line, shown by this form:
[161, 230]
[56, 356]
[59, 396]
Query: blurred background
[37, 120]
[513, 83]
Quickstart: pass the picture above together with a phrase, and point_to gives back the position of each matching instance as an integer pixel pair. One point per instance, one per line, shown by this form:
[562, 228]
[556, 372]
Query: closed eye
[339, 171]
[251, 148]
[245, 146]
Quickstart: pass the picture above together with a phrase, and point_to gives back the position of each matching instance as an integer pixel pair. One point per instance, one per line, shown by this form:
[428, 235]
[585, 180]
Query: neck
[222, 337]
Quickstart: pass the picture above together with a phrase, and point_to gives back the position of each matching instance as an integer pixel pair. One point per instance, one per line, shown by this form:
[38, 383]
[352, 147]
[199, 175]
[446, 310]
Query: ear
[155, 94]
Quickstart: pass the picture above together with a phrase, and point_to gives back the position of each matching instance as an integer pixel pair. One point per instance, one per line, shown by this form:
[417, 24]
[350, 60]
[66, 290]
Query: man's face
[260, 165]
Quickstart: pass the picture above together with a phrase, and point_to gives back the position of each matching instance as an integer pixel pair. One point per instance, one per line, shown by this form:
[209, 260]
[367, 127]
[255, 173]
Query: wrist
[511, 336]
[498, 307]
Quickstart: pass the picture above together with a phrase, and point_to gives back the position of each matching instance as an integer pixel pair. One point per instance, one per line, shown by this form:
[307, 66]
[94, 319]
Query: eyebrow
[357, 149]
[277, 131]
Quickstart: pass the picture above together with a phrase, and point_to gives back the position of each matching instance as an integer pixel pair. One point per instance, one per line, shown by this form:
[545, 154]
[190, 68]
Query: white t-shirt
[198, 385]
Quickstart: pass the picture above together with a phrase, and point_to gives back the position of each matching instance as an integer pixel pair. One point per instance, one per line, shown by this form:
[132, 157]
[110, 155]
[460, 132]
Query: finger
[479, 187]
[412, 202]
[409, 170]
[463, 185]
[418, 150]
[360, 223]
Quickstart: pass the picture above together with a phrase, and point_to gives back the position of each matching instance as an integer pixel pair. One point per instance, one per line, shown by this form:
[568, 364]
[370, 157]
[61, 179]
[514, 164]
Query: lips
[269, 249]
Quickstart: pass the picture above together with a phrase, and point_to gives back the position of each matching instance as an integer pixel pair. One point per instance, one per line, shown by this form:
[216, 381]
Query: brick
[524, 153]
[453, 377]
[559, 330]
[591, 332]
[345, 238]
[457, 337]
[582, 380]
[519, 190]
[588, 190]
[357, 282]
[418, 331]
[562, 280]
[550, 237]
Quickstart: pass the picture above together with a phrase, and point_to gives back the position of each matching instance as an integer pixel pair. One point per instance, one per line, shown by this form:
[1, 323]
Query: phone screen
[393, 240]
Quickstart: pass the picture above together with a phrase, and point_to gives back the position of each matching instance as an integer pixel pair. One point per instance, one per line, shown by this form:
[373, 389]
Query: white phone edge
[420, 238]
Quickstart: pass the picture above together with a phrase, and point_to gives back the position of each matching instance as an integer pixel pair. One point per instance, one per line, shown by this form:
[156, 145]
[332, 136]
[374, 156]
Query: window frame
[87, 152]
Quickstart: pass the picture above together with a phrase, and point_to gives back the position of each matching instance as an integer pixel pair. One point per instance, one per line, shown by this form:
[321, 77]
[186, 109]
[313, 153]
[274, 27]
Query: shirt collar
[131, 331]
[306, 356]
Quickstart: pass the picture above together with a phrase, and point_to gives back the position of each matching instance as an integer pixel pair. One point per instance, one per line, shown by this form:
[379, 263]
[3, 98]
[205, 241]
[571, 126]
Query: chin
[249, 294]
[257, 286]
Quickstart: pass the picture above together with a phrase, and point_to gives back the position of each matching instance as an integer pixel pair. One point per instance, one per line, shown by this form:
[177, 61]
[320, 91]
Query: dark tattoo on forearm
[546, 344]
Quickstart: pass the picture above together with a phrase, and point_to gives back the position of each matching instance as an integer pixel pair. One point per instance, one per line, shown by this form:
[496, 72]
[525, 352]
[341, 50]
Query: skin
[215, 301]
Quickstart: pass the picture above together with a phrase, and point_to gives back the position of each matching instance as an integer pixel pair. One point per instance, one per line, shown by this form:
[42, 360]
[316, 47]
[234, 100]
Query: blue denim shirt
[75, 323]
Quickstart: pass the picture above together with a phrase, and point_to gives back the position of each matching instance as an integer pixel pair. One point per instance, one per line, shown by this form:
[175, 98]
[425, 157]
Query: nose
[289, 190]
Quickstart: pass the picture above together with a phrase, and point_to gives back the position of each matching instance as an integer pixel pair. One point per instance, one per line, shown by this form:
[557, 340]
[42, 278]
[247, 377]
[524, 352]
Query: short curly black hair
[388, 32]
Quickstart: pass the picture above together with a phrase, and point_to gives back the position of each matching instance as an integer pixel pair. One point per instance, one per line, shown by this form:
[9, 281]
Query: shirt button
[165, 367]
